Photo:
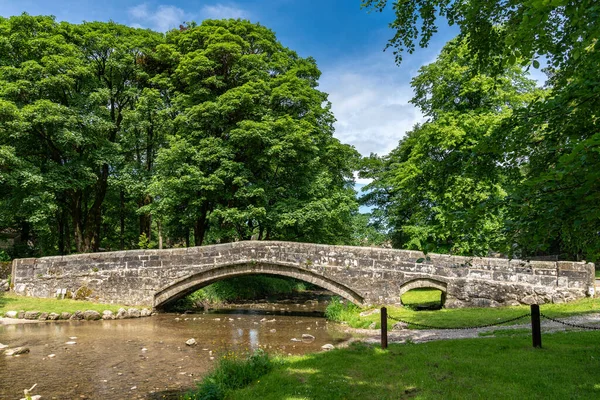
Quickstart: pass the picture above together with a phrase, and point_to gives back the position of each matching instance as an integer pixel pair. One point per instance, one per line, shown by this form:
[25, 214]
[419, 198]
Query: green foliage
[213, 133]
[4, 257]
[251, 287]
[443, 188]
[231, 373]
[340, 310]
[550, 146]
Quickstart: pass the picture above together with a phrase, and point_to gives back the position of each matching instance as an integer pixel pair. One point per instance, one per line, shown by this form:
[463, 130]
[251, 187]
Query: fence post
[384, 328]
[536, 330]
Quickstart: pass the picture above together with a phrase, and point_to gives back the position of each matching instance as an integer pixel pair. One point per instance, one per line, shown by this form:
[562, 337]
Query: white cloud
[165, 17]
[162, 18]
[369, 99]
[221, 11]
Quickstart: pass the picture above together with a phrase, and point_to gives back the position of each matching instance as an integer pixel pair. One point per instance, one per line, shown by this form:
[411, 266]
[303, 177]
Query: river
[147, 358]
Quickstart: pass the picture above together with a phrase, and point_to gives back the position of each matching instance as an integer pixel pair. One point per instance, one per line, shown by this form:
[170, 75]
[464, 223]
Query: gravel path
[427, 335]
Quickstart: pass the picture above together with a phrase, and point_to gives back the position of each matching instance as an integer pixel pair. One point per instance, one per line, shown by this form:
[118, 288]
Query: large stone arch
[196, 281]
[418, 283]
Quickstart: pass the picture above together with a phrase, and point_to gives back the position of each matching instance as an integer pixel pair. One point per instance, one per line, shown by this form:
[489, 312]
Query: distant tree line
[113, 138]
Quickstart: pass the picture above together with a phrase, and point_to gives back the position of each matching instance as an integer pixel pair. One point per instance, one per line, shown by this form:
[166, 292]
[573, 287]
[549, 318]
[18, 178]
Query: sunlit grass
[499, 368]
[460, 317]
[422, 298]
[12, 302]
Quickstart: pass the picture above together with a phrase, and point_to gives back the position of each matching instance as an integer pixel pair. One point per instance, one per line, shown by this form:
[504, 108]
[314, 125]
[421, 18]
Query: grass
[12, 302]
[598, 273]
[456, 317]
[422, 298]
[232, 372]
[500, 368]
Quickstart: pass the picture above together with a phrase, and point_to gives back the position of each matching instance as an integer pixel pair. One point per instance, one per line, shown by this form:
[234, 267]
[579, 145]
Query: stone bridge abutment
[362, 275]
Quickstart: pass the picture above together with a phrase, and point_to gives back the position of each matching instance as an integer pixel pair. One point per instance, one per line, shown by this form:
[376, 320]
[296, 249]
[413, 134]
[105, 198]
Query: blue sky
[368, 91]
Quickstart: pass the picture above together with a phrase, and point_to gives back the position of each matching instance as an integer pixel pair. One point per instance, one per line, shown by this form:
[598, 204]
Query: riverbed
[147, 358]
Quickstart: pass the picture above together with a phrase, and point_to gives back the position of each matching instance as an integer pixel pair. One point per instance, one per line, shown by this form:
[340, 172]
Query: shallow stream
[147, 358]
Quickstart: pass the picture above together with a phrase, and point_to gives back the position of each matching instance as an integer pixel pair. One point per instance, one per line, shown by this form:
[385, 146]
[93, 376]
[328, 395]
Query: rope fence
[535, 316]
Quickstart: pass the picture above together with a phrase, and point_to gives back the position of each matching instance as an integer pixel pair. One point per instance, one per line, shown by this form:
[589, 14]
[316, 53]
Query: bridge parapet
[360, 274]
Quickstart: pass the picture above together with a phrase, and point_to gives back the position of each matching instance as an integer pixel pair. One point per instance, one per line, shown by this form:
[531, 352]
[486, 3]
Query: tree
[443, 188]
[554, 208]
[252, 154]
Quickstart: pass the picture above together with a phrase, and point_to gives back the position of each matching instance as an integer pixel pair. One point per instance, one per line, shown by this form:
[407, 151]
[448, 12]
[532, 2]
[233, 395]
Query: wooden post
[384, 328]
[536, 330]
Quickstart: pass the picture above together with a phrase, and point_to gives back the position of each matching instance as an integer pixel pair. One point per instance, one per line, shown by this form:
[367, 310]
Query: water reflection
[133, 358]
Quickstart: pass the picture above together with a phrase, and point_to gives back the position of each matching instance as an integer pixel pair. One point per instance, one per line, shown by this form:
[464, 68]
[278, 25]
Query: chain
[596, 328]
[459, 328]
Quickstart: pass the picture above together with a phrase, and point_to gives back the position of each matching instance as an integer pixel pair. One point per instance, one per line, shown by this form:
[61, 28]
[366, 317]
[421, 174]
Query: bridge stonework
[363, 275]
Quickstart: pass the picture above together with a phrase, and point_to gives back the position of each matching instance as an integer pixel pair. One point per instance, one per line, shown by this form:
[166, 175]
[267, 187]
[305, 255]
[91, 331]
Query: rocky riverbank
[11, 317]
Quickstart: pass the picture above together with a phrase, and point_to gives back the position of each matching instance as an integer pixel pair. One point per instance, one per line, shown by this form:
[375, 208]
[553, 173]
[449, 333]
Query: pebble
[51, 355]
[144, 349]
[70, 342]
[190, 342]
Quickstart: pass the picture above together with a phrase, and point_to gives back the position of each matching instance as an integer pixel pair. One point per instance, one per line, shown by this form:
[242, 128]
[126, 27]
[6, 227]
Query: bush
[340, 310]
[241, 288]
[231, 373]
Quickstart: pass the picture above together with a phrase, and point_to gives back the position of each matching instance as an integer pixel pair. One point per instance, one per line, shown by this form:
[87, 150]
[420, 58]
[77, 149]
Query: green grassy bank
[500, 368]
[342, 311]
[12, 302]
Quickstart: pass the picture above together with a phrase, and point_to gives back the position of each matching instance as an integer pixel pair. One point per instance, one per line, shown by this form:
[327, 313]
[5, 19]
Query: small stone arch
[194, 282]
[425, 283]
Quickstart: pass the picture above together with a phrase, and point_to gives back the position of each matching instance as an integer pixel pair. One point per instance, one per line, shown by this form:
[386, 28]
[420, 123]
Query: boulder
[398, 326]
[122, 313]
[43, 316]
[328, 347]
[11, 314]
[21, 315]
[107, 314]
[65, 315]
[133, 313]
[77, 316]
[32, 314]
[91, 315]
[16, 351]
[53, 316]
[145, 312]
[191, 342]
[306, 336]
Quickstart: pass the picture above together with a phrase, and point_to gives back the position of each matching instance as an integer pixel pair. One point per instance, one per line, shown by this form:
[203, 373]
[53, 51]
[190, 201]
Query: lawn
[500, 368]
[12, 302]
[460, 317]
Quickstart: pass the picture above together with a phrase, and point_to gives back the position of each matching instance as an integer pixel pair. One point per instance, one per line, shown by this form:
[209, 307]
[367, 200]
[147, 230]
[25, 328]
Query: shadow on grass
[502, 368]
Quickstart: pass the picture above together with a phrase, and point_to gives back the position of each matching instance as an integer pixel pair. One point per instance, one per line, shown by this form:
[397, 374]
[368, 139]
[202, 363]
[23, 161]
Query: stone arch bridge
[363, 275]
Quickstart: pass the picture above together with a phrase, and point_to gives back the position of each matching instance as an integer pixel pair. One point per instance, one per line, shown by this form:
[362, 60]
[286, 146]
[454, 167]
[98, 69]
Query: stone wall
[361, 274]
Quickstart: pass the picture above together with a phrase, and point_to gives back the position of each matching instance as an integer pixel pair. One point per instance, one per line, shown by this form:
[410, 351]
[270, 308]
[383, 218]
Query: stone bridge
[363, 275]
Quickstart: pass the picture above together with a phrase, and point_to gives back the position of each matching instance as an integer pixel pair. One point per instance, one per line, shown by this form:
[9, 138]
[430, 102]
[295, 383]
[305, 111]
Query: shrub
[232, 372]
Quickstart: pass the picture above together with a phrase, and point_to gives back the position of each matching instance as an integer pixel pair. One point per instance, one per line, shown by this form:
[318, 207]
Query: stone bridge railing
[361, 274]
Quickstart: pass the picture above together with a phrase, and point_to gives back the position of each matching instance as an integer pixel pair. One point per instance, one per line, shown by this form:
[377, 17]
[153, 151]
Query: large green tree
[109, 132]
[554, 142]
[443, 188]
[252, 154]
